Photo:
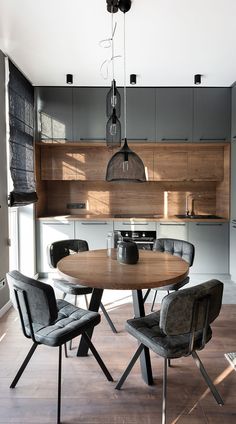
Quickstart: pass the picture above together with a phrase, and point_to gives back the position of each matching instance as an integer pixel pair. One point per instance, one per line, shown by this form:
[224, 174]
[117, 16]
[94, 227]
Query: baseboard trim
[5, 308]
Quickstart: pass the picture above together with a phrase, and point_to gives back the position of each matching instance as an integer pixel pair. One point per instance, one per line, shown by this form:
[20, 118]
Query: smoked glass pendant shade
[113, 100]
[113, 131]
[125, 165]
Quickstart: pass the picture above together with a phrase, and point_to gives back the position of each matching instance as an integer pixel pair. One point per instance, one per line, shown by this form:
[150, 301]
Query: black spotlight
[133, 79]
[197, 79]
[69, 78]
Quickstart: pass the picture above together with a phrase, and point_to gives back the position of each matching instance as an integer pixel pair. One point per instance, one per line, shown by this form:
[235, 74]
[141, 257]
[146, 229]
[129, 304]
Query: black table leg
[145, 362]
[93, 306]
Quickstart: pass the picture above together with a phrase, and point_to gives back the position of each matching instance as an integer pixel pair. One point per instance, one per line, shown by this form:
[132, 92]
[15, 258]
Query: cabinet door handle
[94, 223]
[175, 224]
[212, 139]
[234, 136]
[53, 138]
[209, 225]
[174, 139]
[56, 223]
[92, 139]
[234, 226]
[138, 139]
[134, 223]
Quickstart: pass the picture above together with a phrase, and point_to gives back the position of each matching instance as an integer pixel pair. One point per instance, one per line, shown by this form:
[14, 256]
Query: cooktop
[136, 215]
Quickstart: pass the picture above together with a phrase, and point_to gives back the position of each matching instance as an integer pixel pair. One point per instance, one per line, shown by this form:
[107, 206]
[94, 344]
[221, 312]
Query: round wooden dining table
[94, 268]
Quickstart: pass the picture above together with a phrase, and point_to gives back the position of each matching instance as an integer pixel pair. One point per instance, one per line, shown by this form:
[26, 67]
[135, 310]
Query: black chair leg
[113, 328]
[207, 379]
[97, 357]
[129, 367]
[86, 301]
[65, 348]
[163, 421]
[154, 299]
[59, 389]
[146, 295]
[23, 366]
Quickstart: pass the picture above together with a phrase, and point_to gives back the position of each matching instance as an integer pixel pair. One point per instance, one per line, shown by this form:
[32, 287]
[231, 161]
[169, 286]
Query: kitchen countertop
[148, 217]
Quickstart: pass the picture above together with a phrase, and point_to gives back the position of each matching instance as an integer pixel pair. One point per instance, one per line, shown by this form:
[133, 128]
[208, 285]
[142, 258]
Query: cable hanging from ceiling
[113, 99]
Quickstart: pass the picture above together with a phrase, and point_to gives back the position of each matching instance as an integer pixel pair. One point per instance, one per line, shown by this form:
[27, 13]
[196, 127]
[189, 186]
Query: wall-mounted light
[133, 79]
[197, 79]
[69, 78]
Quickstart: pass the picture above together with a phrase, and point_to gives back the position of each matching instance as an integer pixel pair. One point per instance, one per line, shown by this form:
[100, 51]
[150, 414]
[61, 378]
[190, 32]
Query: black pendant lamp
[113, 100]
[125, 165]
[113, 131]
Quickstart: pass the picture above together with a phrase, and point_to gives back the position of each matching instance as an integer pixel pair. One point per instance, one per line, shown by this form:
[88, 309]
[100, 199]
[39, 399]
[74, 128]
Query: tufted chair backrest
[59, 249]
[40, 299]
[181, 248]
[188, 308]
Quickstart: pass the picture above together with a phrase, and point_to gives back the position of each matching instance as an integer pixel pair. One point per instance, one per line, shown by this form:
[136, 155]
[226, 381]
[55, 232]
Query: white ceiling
[168, 41]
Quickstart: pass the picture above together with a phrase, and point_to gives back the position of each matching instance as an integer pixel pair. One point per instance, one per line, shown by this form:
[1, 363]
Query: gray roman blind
[21, 120]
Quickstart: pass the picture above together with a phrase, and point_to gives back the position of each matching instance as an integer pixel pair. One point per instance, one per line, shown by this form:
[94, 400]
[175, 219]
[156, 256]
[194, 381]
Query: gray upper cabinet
[141, 112]
[54, 113]
[233, 114]
[211, 114]
[233, 155]
[89, 113]
[174, 114]
[233, 180]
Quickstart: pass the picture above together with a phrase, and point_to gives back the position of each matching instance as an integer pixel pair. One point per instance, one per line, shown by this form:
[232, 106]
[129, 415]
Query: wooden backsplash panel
[104, 198]
[204, 201]
[113, 198]
[69, 166]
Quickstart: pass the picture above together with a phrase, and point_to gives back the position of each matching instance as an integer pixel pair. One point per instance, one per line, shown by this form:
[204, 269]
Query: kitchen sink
[198, 216]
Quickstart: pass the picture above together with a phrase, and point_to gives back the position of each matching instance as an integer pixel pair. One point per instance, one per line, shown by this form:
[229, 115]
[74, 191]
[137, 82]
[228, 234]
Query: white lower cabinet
[94, 232]
[47, 233]
[211, 241]
[173, 230]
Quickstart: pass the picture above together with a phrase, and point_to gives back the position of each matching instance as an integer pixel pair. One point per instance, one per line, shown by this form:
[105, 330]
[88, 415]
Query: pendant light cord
[125, 111]
[112, 43]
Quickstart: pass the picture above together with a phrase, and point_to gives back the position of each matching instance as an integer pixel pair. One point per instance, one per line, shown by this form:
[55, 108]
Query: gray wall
[4, 251]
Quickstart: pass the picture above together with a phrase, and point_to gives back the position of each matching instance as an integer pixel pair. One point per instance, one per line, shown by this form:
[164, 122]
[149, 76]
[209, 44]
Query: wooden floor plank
[88, 398]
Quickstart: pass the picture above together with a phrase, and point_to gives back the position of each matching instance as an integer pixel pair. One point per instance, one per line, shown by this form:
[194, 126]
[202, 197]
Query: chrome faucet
[192, 213]
[187, 213]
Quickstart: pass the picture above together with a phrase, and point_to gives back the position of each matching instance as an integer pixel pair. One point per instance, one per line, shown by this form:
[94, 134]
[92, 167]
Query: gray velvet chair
[179, 329]
[57, 251]
[181, 248]
[50, 322]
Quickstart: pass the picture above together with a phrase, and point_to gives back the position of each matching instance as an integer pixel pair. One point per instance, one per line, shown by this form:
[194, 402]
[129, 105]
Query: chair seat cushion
[175, 286]
[69, 288]
[71, 322]
[148, 332]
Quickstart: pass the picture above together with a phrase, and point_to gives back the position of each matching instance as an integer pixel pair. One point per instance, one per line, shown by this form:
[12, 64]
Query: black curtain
[21, 120]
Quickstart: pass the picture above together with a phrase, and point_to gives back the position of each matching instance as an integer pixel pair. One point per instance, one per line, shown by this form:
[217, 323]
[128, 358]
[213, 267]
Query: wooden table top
[95, 269]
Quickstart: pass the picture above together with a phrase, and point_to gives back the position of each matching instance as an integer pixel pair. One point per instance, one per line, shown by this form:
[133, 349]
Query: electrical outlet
[75, 205]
